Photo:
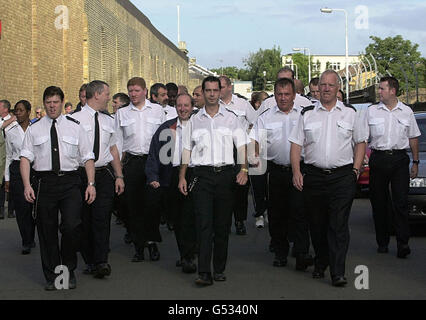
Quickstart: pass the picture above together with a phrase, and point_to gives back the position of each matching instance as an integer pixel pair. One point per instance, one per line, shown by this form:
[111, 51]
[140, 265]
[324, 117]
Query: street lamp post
[264, 80]
[309, 61]
[328, 10]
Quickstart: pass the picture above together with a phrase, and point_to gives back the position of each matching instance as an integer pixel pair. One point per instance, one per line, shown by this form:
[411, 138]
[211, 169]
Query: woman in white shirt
[13, 183]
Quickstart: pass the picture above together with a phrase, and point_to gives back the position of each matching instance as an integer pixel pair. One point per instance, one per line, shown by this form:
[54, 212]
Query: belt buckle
[217, 169]
[61, 174]
[327, 171]
[389, 152]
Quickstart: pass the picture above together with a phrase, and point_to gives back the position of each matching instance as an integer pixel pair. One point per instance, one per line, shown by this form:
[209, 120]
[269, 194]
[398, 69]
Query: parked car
[417, 191]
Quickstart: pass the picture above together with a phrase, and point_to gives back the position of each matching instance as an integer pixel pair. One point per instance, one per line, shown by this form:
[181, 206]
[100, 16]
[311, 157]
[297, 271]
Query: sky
[222, 33]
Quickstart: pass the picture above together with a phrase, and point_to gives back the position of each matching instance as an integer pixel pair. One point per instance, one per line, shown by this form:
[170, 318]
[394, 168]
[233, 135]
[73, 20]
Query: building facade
[68, 43]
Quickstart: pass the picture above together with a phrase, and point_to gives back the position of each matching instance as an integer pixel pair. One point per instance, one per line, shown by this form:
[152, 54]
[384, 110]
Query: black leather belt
[215, 169]
[390, 152]
[328, 171]
[41, 174]
[132, 156]
[279, 166]
[101, 168]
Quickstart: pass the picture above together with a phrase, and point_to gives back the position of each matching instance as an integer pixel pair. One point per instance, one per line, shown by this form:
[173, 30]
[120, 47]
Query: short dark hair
[314, 81]
[284, 82]
[83, 87]
[210, 79]
[154, 89]
[53, 91]
[393, 83]
[26, 104]
[68, 104]
[188, 95]
[288, 69]
[172, 87]
[96, 86]
[122, 96]
[6, 104]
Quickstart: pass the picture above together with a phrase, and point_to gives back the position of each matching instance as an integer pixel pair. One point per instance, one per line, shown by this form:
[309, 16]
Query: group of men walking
[301, 157]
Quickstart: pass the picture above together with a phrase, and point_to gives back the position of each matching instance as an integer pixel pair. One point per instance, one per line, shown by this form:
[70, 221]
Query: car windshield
[422, 139]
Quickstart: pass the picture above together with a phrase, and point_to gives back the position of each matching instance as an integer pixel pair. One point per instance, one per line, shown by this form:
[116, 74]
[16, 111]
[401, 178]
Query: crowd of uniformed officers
[193, 160]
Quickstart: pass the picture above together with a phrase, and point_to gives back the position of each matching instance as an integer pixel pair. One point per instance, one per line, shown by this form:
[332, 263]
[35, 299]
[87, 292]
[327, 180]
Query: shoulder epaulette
[8, 129]
[264, 111]
[106, 113]
[306, 109]
[36, 121]
[194, 112]
[72, 119]
[231, 111]
[373, 104]
[348, 105]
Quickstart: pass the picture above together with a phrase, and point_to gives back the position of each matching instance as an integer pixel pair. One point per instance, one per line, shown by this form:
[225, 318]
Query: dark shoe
[102, 270]
[50, 286]
[318, 273]
[188, 266]
[1, 212]
[339, 282]
[90, 269]
[139, 256]
[279, 262]
[204, 279]
[11, 214]
[26, 250]
[154, 254]
[382, 249]
[303, 261]
[127, 239]
[219, 277]
[403, 251]
[240, 228]
[72, 282]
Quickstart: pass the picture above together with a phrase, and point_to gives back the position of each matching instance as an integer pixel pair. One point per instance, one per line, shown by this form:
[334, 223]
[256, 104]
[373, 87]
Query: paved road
[250, 271]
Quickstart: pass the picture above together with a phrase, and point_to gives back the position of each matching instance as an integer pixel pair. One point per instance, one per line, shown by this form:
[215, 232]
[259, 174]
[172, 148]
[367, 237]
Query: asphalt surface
[250, 273]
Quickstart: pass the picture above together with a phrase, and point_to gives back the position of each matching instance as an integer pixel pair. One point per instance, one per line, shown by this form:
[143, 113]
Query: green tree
[395, 53]
[268, 60]
[231, 72]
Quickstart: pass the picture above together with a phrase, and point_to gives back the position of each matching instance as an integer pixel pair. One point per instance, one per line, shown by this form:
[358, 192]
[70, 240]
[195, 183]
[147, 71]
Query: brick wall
[106, 40]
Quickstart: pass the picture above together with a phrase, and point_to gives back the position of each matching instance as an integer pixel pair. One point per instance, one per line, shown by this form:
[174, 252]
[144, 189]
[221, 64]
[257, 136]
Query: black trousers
[184, 218]
[388, 169]
[23, 209]
[143, 221]
[96, 217]
[213, 197]
[328, 199]
[241, 201]
[285, 205]
[259, 185]
[56, 194]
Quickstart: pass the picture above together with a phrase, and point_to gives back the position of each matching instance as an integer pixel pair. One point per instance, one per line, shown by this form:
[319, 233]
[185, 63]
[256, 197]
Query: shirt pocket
[403, 126]
[224, 135]
[274, 131]
[201, 139]
[344, 129]
[41, 146]
[377, 127]
[71, 146]
[128, 126]
[106, 135]
[312, 132]
[152, 124]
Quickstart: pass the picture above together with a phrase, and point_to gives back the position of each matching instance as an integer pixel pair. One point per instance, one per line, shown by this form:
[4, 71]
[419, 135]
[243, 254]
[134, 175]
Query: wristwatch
[416, 161]
[93, 184]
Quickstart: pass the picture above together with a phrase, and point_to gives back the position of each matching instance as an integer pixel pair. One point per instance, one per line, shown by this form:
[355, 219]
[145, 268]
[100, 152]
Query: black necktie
[56, 165]
[96, 144]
